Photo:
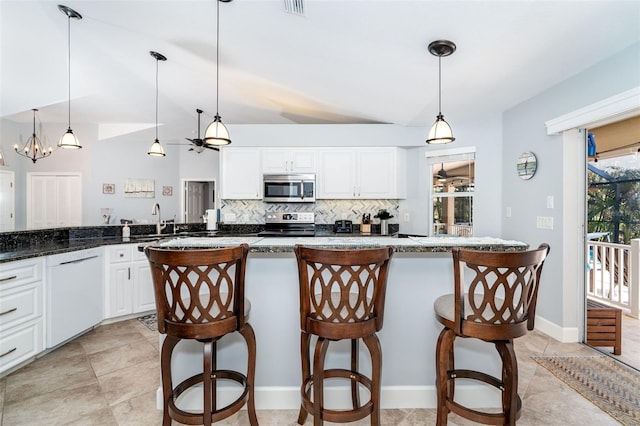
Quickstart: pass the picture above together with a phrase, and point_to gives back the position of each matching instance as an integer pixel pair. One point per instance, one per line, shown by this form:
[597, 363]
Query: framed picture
[167, 190]
[139, 188]
[108, 188]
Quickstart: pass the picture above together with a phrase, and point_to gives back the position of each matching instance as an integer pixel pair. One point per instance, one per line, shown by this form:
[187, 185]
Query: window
[452, 183]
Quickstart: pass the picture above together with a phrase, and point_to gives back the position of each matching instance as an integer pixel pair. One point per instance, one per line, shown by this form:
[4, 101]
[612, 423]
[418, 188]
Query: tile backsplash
[327, 211]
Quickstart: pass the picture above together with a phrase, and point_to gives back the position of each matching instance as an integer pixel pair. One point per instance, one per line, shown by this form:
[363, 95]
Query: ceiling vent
[295, 7]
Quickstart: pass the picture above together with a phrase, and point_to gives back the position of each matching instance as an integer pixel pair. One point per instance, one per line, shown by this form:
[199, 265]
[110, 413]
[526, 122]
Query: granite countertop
[265, 245]
[401, 245]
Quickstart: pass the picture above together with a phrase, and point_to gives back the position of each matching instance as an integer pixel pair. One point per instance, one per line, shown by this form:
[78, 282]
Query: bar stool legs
[446, 374]
[210, 412]
[315, 404]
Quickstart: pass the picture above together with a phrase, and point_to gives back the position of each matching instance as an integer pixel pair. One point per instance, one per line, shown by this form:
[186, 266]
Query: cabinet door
[143, 297]
[302, 161]
[336, 174]
[286, 160]
[120, 289]
[241, 174]
[376, 173]
[275, 161]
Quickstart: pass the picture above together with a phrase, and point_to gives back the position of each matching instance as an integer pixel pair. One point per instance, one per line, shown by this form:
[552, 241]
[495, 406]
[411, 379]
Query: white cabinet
[287, 160]
[129, 288]
[240, 174]
[361, 173]
[21, 311]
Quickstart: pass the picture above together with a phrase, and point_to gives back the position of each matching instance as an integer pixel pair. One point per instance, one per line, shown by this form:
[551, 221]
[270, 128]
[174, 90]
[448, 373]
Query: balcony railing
[458, 230]
[613, 274]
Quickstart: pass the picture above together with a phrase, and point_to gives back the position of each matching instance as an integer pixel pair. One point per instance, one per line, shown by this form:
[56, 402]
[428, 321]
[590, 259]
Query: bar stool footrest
[191, 418]
[338, 416]
[476, 415]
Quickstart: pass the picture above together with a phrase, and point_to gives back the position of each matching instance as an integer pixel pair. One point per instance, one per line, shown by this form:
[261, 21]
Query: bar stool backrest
[199, 293]
[342, 292]
[500, 302]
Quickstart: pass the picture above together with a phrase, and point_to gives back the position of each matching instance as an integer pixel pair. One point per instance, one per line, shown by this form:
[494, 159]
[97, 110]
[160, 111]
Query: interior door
[199, 196]
[54, 200]
[7, 201]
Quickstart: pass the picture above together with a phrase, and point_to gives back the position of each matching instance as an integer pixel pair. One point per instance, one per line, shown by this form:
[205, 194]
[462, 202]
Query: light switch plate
[549, 201]
[543, 222]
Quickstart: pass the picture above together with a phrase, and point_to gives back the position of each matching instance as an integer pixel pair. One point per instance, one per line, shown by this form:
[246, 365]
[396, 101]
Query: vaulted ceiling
[339, 62]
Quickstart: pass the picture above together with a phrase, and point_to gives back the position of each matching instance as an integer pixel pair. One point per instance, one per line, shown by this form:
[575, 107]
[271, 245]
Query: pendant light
[440, 132]
[156, 149]
[33, 148]
[68, 139]
[216, 133]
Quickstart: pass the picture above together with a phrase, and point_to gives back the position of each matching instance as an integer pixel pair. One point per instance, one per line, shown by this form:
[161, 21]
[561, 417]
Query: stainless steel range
[283, 224]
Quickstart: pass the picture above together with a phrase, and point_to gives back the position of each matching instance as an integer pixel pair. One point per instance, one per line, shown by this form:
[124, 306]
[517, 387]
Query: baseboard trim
[561, 334]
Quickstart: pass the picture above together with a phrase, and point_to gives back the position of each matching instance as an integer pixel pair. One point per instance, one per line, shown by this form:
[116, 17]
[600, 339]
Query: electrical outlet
[508, 212]
[549, 201]
[405, 217]
[543, 222]
[229, 218]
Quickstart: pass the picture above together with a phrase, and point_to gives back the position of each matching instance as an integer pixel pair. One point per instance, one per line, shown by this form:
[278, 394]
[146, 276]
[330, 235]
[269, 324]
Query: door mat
[150, 321]
[606, 383]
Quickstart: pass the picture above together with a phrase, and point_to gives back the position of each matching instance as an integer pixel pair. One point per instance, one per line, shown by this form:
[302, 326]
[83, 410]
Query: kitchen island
[420, 271]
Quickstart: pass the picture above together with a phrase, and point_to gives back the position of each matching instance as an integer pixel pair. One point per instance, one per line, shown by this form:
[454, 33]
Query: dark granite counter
[400, 245]
[28, 244]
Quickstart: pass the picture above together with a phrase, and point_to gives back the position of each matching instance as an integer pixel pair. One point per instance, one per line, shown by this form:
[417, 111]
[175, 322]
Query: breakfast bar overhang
[420, 271]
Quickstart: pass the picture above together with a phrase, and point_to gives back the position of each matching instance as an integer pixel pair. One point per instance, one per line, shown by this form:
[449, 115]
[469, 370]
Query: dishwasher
[73, 292]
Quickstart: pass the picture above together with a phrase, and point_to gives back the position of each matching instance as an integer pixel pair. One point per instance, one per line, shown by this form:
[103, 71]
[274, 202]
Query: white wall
[484, 133]
[524, 130]
[321, 135]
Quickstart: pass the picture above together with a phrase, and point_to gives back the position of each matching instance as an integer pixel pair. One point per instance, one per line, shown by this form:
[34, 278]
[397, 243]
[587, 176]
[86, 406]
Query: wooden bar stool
[200, 295]
[342, 295]
[499, 305]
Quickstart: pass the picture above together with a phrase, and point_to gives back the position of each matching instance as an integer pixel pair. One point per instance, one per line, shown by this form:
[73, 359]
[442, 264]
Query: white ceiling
[343, 62]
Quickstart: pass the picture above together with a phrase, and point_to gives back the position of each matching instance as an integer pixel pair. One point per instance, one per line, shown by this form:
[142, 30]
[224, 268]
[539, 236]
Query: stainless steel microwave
[289, 188]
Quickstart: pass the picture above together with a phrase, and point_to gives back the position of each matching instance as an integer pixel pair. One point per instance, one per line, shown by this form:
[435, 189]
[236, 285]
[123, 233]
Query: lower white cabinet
[21, 311]
[129, 288]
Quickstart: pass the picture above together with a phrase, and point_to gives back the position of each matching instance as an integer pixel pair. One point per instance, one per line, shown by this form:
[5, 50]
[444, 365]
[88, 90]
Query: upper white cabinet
[240, 174]
[341, 173]
[363, 173]
[286, 160]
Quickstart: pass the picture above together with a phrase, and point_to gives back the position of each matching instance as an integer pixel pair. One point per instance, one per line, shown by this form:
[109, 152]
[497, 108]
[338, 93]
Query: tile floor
[110, 376]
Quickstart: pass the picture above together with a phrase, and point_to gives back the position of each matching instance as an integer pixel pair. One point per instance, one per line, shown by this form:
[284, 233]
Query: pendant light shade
[68, 139]
[156, 149]
[440, 132]
[33, 149]
[216, 133]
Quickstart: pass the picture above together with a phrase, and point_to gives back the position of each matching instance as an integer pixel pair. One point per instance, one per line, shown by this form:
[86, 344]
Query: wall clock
[527, 165]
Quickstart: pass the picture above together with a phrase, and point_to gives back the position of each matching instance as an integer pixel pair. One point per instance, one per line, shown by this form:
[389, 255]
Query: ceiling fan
[198, 143]
[443, 176]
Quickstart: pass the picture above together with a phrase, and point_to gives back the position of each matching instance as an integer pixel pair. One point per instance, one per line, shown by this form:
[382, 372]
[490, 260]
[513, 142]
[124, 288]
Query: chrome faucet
[160, 224]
